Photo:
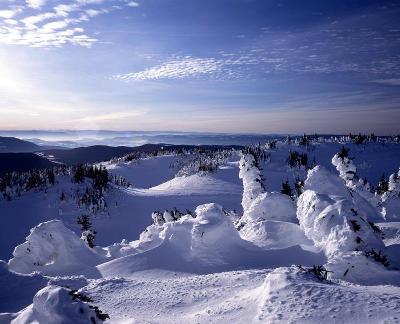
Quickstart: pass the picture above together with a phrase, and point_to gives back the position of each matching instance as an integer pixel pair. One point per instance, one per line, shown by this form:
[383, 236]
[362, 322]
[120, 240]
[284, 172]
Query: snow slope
[284, 295]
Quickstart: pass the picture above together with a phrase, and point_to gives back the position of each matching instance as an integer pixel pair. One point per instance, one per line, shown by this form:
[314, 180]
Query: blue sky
[212, 65]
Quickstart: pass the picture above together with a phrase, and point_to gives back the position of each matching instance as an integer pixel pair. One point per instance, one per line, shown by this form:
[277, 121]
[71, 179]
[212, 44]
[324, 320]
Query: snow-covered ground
[222, 246]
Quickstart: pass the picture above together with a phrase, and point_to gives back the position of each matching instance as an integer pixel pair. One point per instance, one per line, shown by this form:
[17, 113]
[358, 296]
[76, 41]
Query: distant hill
[22, 162]
[27, 161]
[100, 153]
[90, 154]
[16, 145]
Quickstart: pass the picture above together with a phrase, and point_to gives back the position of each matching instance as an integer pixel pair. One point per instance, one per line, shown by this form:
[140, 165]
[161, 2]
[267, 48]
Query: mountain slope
[16, 145]
[22, 162]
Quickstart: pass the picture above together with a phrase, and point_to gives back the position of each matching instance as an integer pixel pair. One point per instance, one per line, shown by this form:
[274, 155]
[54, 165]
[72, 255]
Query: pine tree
[79, 174]
[344, 153]
[298, 185]
[50, 176]
[383, 185]
[84, 222]
[286, 189]
[86, 227]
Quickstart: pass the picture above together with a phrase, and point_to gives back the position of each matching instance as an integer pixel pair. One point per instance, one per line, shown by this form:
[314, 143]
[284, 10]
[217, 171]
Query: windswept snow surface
[212, 247]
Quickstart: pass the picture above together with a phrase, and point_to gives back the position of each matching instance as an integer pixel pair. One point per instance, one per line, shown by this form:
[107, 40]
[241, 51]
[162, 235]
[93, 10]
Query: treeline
[200, 161]
[13, 184]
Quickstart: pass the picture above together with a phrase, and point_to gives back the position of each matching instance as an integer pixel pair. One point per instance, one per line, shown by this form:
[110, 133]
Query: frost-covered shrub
[175, 214]
[253, 184]
[335, 225]
[257, 151]
[203, 162]
[391, 199]
[52, 248]
[345, 166]
[338, 222]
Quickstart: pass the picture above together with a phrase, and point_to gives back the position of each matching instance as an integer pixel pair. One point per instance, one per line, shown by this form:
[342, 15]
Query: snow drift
[266, 212]
[204, 244]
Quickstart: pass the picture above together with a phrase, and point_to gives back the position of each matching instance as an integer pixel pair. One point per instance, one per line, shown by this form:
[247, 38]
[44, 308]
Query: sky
[234, 66]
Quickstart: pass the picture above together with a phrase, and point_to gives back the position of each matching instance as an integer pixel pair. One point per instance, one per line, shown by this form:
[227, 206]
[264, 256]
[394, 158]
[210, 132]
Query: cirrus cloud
[177, 68]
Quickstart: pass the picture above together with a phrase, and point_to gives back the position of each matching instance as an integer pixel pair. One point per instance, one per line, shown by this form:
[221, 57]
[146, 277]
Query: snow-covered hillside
[286, 232]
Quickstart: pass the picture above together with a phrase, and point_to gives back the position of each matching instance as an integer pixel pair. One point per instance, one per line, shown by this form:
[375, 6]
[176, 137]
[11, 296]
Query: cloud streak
[178, 68]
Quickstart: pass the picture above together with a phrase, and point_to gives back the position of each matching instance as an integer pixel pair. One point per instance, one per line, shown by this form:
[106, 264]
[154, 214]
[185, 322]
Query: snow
[240, 251]
[390, 199]
[51, 248]
[271, 206]
[55, 304]
[203, 245]
[196, 184]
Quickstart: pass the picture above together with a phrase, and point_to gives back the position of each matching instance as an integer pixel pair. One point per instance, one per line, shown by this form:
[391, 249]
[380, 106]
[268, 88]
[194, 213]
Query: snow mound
[52, 248]
[324, 182]
[261, 208]
[54, 304]
[205, 244]
[194, 184]
[271, 206]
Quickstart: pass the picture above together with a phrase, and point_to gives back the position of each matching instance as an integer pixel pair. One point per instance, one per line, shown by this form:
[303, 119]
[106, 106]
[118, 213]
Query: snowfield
[275, 233]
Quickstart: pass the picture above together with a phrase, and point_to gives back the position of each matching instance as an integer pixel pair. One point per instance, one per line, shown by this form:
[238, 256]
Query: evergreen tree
[383, 185]
[344, 153]
[298, 185]
[84, 222]
[86, 227]
[79, 174]
[304, 140]
[286, 189]
[50, 176]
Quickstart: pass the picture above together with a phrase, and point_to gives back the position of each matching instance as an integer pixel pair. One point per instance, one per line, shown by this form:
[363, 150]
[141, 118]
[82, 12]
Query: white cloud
[35, 4]
[8, 13]
[178, 68]
[54, 28]
[55, 25]
[132, 4]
